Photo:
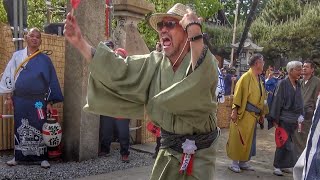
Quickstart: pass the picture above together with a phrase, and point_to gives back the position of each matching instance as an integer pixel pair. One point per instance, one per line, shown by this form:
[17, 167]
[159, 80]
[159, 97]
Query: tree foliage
[278, 11]
[229, 7]
[296, 37]
[284, 28]
[37, 12]
[3, 17]
[220, 37]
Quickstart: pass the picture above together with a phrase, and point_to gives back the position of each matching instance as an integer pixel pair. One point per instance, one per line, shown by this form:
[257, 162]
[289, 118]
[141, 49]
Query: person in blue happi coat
[31, 85]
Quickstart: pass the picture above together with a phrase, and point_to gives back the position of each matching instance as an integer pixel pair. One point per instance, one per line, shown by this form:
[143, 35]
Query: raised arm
[74, 36]
[191, 23]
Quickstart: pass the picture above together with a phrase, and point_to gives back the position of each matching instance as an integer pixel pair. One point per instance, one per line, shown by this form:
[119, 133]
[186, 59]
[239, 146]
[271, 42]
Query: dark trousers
[158, 145]
[286, 156]
[106, 133]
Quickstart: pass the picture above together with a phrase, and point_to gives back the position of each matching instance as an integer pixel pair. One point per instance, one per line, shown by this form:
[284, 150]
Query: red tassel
[75, 3]
[241, 138]
[40, 114]
[190, 165]
[153, 129]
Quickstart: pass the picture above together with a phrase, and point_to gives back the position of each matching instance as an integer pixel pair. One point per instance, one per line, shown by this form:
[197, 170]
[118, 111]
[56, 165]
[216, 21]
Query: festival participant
[286, 112]
[31, 85]
[310, 86]
[249, 107]
[165, 85]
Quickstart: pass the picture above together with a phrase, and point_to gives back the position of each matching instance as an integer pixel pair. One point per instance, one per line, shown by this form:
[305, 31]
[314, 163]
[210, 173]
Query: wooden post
[232, 86]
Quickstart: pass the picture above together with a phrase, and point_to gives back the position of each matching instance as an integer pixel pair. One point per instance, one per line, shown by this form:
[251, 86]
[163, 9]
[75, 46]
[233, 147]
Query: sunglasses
[168, 24]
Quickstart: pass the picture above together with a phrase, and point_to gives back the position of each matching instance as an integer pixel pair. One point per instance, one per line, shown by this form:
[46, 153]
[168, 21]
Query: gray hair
[254, 58]
[293, 64]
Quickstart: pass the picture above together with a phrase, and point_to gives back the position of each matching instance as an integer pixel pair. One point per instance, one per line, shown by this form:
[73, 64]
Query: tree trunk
[249, 21]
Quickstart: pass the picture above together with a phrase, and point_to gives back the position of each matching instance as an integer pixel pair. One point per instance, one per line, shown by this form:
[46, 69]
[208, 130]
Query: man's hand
[275, 124]
[73, 35]
[261, 122]
[188, 18]
[72, 31]
[234, 115]
[192, 24]
[49, 108]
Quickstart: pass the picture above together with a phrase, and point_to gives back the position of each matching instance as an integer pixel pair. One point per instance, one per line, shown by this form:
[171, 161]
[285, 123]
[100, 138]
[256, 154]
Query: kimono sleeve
[55, 95]
[241, 94]
[7, 79]
[119, 87]
[194, 96]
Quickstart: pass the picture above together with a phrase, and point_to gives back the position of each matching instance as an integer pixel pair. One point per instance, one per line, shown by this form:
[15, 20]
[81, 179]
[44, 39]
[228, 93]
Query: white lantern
[51, 132]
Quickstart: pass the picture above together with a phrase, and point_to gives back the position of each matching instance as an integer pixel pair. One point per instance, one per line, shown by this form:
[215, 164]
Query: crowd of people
[287, 99]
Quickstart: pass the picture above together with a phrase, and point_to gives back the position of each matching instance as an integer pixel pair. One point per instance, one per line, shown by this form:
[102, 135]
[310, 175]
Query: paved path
[262, 163]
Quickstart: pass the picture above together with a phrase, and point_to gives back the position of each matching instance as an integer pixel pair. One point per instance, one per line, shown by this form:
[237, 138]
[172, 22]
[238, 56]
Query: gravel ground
[70, 170]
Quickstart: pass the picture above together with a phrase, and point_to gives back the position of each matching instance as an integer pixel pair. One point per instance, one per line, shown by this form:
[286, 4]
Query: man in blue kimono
[31, 86]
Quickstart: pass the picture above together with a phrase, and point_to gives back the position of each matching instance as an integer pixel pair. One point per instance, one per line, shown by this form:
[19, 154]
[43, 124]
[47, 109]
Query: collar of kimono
[24, 62]
[252, 73]
[306, 80]
[259, 81]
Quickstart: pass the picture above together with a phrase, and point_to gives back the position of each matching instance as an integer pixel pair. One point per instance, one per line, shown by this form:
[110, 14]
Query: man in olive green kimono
[249, 106]
[310, 86]
[175, 87]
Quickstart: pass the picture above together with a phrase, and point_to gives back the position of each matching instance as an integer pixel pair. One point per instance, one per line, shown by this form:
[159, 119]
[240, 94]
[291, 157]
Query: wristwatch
[194, 38]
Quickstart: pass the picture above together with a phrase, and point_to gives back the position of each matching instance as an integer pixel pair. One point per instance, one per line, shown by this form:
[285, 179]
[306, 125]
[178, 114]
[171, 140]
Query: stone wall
[52, 43]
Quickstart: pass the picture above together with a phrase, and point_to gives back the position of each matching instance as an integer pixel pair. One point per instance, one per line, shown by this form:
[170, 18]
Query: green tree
[37, 12]
[3, 17]
[296, 37]
[221, 38]
[250, 19]
[229, 7]
[204, 8]
[279, 11]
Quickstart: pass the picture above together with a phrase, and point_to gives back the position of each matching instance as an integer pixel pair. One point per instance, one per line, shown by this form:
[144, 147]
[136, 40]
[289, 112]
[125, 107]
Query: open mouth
[166, 42]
